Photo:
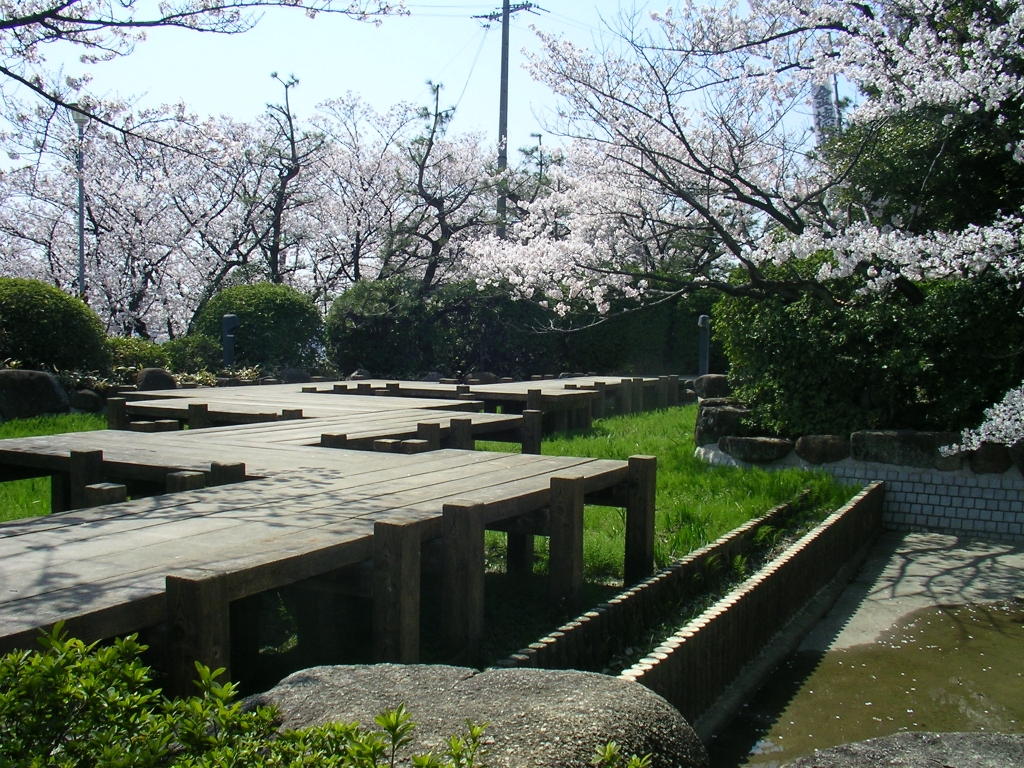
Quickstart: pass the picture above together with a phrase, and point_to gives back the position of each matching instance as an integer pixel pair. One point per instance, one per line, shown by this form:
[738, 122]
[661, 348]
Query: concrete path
[909, 571]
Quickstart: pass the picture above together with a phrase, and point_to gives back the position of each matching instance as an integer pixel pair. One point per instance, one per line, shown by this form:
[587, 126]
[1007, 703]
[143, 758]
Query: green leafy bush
[193, 354]
[875, 360]
[43, 327]
[280, 326]
[133, 352]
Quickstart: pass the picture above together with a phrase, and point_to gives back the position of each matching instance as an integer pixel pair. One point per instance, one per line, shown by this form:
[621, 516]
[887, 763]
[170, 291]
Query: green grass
[696, 502]
[30, 498]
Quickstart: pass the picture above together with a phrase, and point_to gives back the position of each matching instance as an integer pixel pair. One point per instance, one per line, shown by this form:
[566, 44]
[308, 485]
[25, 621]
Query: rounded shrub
[193, 354]
[41, 326]
[133, 352]
[280, 327]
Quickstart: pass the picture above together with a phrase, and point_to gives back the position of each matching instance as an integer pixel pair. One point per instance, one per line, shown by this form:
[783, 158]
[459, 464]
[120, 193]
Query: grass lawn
[29, 498]
[696, 503]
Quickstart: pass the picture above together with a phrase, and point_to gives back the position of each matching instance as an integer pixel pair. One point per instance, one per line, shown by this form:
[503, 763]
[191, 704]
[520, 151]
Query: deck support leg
[117, 413]
[461, 435]
[531, 431]
[565, 561]
[533, 400]
[561, 418]
[198, 616]
[60, 490]
[431, 432]
[86, 468]
[244, 616]
[663, 391]
[462, 578]
[640, 502]
[519, 553]
[638, 395]
[225, 474]
[98, 494]
[599, 401]
[673, 390]
[396, 592]
[185, 481]
[625, 397]
[198, 415]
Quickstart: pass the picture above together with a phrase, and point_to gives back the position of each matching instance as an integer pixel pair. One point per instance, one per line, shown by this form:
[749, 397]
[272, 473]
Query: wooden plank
[462, 579]
[396, 592]
[640, 507]
[565, 561]
[199, 629]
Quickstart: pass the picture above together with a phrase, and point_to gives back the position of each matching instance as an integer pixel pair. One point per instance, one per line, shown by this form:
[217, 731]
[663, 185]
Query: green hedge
[133, 352]
[43, 327]
[280, 326]
[193, 354]
[874, 361]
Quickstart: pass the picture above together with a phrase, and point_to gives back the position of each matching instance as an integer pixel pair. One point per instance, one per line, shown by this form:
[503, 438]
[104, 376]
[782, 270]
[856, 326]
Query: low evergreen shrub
[136, 353]
[193, 354]
[43, 327]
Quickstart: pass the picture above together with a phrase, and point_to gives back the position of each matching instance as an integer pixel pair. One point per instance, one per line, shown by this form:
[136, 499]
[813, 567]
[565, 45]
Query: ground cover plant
[30, 498]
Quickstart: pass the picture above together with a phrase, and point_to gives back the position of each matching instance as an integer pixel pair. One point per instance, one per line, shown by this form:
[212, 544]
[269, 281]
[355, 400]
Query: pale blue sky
[440, 41]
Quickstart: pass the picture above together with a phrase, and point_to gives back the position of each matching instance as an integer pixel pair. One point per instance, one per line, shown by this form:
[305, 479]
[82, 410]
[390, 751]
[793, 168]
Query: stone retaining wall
[695, 666]
[957, 502]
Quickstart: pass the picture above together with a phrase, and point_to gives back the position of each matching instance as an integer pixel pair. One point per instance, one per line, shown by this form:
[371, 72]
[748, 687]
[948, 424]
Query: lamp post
[81, 119]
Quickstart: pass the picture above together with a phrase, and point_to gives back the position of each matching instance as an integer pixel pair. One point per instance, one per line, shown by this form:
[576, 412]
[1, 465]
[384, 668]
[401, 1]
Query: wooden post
[333, 441]
[289, 414]
[198, 415]
[462, 578]
[533, 400]
[625, 396]
[412, 446]
[663, 391]
[462, 389]
[396, 592]
[386, 445]
[519, 553]
[586, 413]
[167, 425]
[599, 401]
[198, 620]
[340, 389]
[308, 390]
[565, 560]
[244, 618]
[461, 435]
[224, 474]
[431, 432]
[60, 492]
[561, 419]
[673, 390]
[117, 413]
[185, 481]
[364, 389]
[393, 387]
[530, 431]
[638, 395]
[98, 494]
[640, 501]
[86, 468]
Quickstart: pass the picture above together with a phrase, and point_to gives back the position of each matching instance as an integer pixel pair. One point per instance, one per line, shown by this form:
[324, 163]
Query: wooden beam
[98, 494]
[663, 391]
[532, 430]
[431, 432]
[198, 415]
[462, 578]
[85, 468]
[185, 481]
[599, 401]
[225, 474]
[565, 560]
[638, 395]
[117, 413]
[519, 552]
[396, 592]
[412, 446]
[199, 624]
[625, 394]
[461, 436]
[640, 504]
[533, 400]
[333, 441]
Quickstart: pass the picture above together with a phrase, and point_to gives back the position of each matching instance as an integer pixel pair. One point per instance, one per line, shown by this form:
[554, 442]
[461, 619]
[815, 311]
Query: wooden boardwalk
[189, 558]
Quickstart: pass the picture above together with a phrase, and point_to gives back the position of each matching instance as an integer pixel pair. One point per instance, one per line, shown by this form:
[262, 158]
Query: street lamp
[81, 120]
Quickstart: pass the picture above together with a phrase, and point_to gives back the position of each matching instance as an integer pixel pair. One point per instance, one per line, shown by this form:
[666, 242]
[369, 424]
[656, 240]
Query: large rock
[904, 447]
[990, 459]
[26, 394]
[294, 376]
[757, 450]
[715, 421]
[149, 379]
[431, 376]
[481, 377]
[536, 717]
[712, 385]
[86, 400]
[822, 449]
[923, 750]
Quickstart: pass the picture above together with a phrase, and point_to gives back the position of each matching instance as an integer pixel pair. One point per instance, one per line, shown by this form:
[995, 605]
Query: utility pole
[507, 9]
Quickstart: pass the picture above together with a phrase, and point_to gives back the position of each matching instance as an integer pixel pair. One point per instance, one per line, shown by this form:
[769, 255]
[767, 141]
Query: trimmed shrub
[136, 353]
[193, 354]
[41, 326]
[875, 361]
[280, 326]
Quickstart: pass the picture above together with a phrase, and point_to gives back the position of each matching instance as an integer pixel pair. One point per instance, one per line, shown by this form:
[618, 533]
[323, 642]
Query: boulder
[822, 449]
[756, 450]
[359, 373]
[923, 750]
[714, 422]
[712, 385]
[294, 376]
[149, 379]
[481, 377]
[86, 400]
[432, 376]
[25, 394]
[535, 717]
[990, 459]
[904, 447]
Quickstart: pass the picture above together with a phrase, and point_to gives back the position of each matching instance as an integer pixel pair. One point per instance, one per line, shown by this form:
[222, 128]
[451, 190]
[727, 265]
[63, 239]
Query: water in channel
[958, 668]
